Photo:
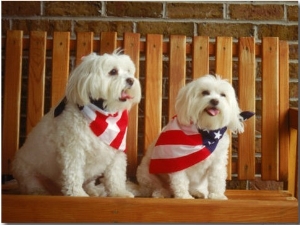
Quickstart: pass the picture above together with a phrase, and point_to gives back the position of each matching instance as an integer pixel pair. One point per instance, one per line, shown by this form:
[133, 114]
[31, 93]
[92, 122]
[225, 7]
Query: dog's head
[210, 103]
[109, 78]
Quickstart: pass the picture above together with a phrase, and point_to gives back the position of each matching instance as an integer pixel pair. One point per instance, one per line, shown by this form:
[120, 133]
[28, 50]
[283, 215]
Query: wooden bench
[273, 131]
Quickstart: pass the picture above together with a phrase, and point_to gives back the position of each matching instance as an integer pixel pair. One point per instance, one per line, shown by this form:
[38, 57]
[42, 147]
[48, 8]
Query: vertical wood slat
[200, 62]
[224, 69]
[36, 78]
[283, 110]
[60, 65]
[84, 45]
[246, 96]
[270, 104]
[153, 87]
[132, 48]
[11, 98]
[108, 42]
[177, 69]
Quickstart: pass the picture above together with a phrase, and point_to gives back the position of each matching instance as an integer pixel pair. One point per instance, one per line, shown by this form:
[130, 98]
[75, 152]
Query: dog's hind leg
[28, 180]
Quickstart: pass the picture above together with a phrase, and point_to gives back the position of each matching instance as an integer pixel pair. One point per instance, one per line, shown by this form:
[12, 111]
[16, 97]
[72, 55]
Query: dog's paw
[123, 194]
[161, 193]
[184, 196]
[217, 196]
[198, 194]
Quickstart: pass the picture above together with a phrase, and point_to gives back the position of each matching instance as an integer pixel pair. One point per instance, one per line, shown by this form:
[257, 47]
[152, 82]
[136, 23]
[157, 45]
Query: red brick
[294, 90]
[99, 26]
[45, 25]
[165, 28]
[134, 9]
[229, 29]
[282, 31]
[292, 13]
[256, 12]
[194, 10]
[72, 8]
[16, 8]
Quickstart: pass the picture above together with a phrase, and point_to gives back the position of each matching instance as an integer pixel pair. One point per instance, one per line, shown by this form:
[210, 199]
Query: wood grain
[270, 106]
[246, 96]
[224, 69]
[60, 66]
[200, 56]
[108, 42]
[137, 210]
[283, 110]
[153, 88]
[36, 78]
[131, 48]
[11, 98]
[84, 45]
[177, 69]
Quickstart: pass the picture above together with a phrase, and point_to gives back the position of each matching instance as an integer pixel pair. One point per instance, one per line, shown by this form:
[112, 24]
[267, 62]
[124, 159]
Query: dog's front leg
[115, 177]
[217, 181]
[179, 182]
[72, 176]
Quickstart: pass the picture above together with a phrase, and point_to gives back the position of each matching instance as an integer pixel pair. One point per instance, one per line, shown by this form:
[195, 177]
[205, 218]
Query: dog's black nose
[130, 81]
[214, 102]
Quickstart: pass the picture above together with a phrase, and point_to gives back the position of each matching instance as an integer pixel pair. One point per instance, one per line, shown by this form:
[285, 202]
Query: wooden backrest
[163, 68]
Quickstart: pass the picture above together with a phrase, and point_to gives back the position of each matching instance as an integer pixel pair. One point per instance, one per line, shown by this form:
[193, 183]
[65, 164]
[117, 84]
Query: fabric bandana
[179, 147]
[109, 128]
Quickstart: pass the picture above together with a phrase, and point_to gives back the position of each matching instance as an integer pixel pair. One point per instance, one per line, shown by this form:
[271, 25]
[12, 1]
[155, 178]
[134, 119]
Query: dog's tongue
[124, 96]
[212, 111]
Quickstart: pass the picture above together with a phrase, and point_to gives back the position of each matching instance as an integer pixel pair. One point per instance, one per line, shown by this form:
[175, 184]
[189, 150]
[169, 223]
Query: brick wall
[213, 19]
[209, 18]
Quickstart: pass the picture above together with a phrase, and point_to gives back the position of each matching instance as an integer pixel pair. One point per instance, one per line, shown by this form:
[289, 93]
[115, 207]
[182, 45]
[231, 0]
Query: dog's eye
[205, 93]
[113, 72]
[223, 95]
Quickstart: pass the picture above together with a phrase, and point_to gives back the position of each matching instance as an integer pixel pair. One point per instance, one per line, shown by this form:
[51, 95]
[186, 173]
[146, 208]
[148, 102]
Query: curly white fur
[62, 155]
[210, 103]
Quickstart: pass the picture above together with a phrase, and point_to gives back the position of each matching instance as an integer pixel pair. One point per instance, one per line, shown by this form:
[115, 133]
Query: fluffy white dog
[84, 137]
[189, 157]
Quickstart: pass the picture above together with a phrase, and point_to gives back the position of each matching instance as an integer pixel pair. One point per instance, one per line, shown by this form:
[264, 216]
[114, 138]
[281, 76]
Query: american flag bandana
[109, 128]
[179, 147]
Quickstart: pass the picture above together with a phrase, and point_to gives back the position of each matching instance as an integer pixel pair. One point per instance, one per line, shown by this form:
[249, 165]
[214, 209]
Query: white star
[217, 135]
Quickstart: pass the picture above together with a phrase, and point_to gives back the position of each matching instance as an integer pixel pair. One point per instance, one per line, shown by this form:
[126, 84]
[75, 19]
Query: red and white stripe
[177, 148]
[109, 128]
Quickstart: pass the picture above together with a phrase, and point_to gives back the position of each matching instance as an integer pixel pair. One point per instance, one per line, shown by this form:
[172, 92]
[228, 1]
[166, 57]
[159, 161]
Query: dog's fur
[61, 154]
[206, 179]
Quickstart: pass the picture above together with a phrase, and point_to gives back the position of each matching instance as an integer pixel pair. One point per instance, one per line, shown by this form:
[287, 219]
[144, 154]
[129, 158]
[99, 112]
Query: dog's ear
[236, 124]
[184, 105]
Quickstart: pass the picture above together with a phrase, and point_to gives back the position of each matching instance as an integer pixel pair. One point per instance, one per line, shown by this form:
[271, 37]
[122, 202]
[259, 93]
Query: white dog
[189, 157]
[84, 137]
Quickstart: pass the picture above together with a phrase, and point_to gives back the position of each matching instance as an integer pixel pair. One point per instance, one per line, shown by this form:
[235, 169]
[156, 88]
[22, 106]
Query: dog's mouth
[212, 111]
[125, 96]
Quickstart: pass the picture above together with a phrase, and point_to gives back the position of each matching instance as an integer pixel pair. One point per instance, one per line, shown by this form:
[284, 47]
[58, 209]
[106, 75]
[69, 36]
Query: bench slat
[270, 104]
[153, 88]
[84, 45]
[86, 209]
[131, 47]
[224, 68]
[177, 69]
[60, 65]
[108, 42]
[283, 110]
[246, 98]
[36, 78]
[200, 64]
[11, 98]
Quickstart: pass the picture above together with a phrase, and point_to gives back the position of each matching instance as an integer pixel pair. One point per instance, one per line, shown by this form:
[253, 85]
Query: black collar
[61, 106]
